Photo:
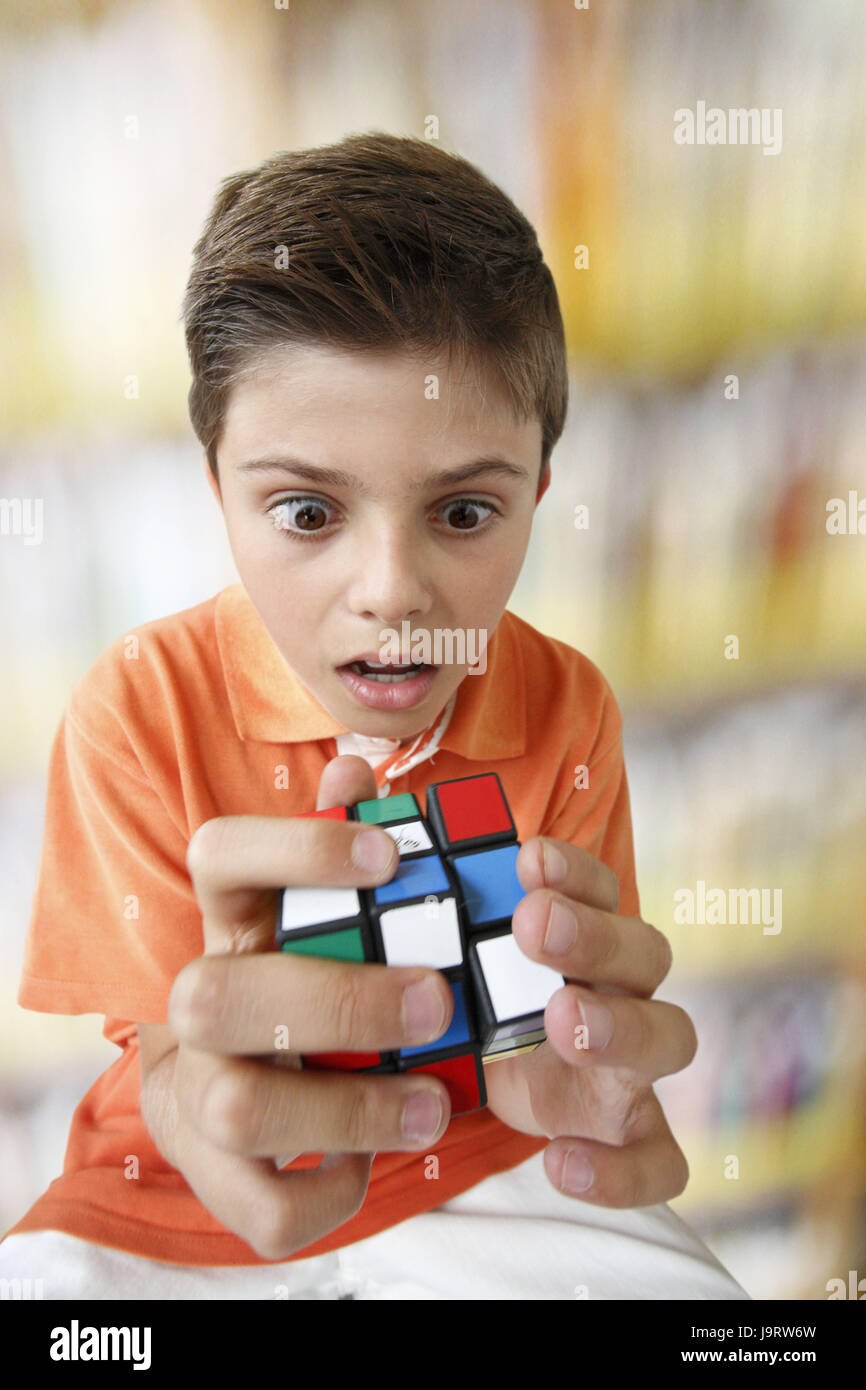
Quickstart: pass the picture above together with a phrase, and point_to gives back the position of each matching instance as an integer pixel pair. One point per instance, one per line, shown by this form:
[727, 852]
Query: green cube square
[389, 808]
[339, 945]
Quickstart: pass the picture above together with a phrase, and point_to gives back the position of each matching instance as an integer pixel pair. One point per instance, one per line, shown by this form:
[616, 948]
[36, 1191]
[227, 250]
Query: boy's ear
[543, 485]
[215, 487]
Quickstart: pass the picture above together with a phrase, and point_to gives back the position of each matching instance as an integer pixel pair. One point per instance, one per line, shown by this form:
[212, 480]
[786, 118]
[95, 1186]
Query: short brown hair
[392, 243]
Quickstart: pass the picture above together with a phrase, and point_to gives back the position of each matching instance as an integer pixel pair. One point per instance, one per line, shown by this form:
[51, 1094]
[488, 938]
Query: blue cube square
[491, 888]
[415, 878]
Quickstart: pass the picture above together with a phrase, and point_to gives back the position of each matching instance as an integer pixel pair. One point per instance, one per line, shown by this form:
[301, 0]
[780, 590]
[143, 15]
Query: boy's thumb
[345, 780]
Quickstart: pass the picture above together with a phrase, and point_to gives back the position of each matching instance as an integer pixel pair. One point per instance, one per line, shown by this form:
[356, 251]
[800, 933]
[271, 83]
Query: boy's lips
[389, 685]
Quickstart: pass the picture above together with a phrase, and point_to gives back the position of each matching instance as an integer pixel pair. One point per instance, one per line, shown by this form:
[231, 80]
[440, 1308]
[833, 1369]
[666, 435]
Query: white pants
[512, 1236]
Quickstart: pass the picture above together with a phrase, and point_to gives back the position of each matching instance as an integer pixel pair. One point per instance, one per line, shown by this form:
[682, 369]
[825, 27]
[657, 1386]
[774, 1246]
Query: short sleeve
[114, 916]
[592, 807]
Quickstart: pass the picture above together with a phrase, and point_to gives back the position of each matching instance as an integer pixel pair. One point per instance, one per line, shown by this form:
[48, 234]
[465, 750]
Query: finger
[651, 1168]
[236, 862]
[576, 873]
[276, 1214]
[274, 1003]
[345, 780]
[650, 1038]
[246, 1108]
[591, 945]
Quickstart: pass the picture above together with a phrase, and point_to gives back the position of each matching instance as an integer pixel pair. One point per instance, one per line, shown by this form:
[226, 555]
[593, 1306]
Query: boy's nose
[391, 603]
[390, 586]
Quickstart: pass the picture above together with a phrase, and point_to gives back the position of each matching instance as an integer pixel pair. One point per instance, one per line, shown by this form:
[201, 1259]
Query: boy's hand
[589, 1087]
[239, 1100]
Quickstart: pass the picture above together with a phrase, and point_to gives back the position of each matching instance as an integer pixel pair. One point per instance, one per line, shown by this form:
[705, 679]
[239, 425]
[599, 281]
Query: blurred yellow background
[717, 335]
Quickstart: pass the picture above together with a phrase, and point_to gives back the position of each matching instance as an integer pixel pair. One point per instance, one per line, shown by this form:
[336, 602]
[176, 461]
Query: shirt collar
[270, 704]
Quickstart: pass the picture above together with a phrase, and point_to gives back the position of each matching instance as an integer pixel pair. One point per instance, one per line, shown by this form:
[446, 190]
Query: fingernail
[372, 851]
[555, 867]
[561, 930]
[423, 1011]
[422, 1116]
[599, 1023]
[577, 1175]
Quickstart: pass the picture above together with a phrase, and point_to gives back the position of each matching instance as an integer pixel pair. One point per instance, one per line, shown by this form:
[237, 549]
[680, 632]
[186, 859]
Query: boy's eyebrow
[336, 477]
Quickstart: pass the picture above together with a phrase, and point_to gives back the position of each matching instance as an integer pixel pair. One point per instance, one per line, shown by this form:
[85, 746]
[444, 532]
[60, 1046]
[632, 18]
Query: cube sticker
[338, 945]
[472, 809]
[518, 988]
[307, 907]
[410, 837]
[464, 1081]
[491, 888]
[415, 878]
[388, 808]
[413, 935]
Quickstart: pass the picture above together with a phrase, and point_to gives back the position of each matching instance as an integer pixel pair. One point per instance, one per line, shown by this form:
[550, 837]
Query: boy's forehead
[305, 367]
[328, 388]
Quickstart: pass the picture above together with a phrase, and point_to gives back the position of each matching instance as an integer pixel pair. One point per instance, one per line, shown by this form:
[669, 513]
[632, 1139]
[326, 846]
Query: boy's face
[389, 540]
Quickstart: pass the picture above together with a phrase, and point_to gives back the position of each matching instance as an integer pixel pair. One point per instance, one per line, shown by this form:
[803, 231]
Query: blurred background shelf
[778, 1159]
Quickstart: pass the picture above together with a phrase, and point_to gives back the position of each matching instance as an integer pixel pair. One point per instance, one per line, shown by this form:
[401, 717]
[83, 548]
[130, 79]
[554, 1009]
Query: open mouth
[388, 673]
[390, 686]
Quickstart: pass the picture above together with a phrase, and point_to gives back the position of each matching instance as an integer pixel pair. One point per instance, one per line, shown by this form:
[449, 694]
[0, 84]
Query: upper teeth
[385, 670]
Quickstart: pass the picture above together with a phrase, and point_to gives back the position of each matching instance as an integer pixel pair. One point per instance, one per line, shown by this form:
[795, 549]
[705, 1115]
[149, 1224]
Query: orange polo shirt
[189, 718]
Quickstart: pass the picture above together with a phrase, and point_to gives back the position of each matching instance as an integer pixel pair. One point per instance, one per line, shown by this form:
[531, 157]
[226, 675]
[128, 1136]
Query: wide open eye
[300, 516]
[464, 513]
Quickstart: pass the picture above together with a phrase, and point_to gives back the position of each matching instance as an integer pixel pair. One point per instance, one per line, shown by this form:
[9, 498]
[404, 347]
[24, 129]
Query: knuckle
[309, 840]
[636, 1111]
[276, 1236]
[197, 1000]
[626, 1112]
[601, 939]
[664, 956]
[203, 846]
[641, 1032]
[626, 1121]
[597, 942]
[360, 1114]
[278, 1231]
[226, 1109]
[614, 1106]
[545, 1099]
[348, 1008]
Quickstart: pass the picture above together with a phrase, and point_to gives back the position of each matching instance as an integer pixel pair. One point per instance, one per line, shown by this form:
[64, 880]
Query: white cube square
[410, 837]
[516, 984]
[307, 907]
[415, 935]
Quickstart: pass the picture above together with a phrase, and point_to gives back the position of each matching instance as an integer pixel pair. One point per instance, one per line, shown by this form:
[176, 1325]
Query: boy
[379, 378]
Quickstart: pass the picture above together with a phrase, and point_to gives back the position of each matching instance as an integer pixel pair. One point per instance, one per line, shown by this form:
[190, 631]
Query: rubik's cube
[449, 907]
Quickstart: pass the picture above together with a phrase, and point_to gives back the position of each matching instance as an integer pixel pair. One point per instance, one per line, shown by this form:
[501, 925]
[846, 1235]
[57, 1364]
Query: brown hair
[376, 242]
